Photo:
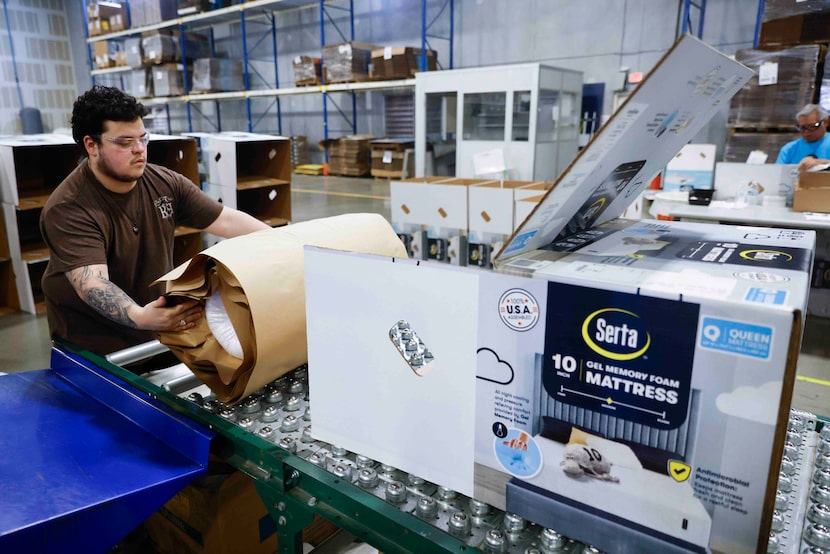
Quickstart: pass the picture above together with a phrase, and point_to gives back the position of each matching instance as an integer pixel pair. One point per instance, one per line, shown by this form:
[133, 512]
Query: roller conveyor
[267, 436]
[159, 441]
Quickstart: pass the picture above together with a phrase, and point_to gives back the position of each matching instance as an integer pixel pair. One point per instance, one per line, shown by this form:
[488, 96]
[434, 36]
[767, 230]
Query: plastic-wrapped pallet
[739, 145]
[347, 62]
[215, 74]
[307, 71]
[785, 81]
[259, 281]
[139, 83]
[779, 9]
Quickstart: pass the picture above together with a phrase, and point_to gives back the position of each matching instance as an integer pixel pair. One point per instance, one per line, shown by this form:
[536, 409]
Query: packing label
[736, 337]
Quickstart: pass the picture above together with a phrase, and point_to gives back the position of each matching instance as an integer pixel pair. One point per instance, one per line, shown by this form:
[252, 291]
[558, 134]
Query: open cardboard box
[626, 383]
[812, 192]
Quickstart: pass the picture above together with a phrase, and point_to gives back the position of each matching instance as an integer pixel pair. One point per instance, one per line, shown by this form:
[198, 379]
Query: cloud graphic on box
[492, 368]
[752, 403]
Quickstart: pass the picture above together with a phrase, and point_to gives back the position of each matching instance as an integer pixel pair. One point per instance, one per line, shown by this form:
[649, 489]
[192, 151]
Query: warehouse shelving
[256, 11]
[32, 167]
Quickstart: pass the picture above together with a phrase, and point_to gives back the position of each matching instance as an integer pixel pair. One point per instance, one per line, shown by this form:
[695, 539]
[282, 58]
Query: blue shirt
[795, 151]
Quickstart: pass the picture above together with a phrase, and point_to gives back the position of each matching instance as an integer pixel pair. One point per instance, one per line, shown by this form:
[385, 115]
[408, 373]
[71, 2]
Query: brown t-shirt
[84, 224]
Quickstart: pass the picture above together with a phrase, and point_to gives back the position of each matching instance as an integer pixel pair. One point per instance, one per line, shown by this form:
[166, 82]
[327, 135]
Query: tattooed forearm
[111, 302]
[93, 285]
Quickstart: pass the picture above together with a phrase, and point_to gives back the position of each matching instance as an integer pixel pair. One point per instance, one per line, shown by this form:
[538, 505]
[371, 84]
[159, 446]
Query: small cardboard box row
[460, 221]
[812, 194]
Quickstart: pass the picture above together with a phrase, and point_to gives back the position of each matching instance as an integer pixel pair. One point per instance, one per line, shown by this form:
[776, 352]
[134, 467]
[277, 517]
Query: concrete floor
[25, 339]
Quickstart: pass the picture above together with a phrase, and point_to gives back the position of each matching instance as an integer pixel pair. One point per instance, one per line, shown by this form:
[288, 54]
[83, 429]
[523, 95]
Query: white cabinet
[516, 122]
[31, 166]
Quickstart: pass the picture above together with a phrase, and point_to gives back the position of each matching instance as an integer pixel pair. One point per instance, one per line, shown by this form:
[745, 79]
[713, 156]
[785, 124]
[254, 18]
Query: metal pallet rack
[264, 12]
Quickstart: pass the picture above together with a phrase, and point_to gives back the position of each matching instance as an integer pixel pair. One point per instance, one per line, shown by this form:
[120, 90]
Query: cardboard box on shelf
[96, 27]
[139, 83]
[158, 47]
[188, 7]
[103, 54]
[215, 74]
[168, 79]
[308, 71]
[796, 29]
[347, 62]
[150, 12]
[118, 22]
[133, 52]
[105, 10]
[400, 62]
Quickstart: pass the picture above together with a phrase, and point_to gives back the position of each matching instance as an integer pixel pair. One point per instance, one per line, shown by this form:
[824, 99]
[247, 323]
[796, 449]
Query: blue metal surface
[86, 458]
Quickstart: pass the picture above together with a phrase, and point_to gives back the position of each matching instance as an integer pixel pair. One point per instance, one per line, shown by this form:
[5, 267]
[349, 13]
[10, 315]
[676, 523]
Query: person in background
[813, 147]
[109, 227]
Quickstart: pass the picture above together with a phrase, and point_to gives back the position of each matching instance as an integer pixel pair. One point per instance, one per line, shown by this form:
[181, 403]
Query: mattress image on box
[630, 481]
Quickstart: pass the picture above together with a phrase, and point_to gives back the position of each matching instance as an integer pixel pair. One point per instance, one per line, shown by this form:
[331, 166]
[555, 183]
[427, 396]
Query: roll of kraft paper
[259, 278]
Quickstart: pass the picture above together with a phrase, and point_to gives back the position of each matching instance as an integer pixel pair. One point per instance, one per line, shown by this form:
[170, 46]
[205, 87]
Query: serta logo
[615, 334]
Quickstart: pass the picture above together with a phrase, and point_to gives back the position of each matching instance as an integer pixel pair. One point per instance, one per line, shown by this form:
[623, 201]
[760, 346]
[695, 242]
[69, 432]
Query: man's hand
[92, 284]
[157, 316]
[810, 162]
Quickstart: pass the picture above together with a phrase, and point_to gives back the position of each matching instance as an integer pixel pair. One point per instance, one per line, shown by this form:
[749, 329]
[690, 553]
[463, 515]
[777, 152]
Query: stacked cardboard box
[400, 62]
[350, 155]
[785, 80]
[106, 17]
[188, 7]
[308, 71]
[105, 53]
[139, 83]
[150, 12]
[215, 74]
[388, 157]
[347, 62]
[789, 22]
[168, 79]
[740, 145]
[762, 114]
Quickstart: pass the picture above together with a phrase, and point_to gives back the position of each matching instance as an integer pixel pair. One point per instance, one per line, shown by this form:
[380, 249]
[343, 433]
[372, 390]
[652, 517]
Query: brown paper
[259, 278]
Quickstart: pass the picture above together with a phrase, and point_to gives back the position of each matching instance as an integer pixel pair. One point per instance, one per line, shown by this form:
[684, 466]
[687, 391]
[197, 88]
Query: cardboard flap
[684, 90]
[259, 278]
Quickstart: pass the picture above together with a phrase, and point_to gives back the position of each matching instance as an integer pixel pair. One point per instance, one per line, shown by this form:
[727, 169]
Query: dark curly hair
[100, 104]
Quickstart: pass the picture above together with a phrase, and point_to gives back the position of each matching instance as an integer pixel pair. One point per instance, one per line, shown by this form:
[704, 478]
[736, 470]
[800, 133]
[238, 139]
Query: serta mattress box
[635, 400]
[652, 408]
[624, 383]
